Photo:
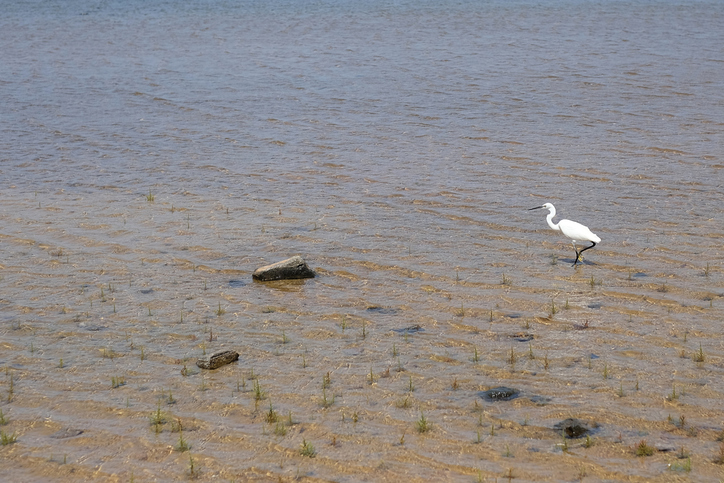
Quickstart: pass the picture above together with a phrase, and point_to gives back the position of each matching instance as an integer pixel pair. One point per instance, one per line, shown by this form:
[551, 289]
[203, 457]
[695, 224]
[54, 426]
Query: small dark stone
[382, 310]
[540, 400]
[573, 428]
[291, 268]
[522, 337]
[499, 394]
[236, 283]
[147, 291]
[217, 359]
[409, 330]
[66, 433]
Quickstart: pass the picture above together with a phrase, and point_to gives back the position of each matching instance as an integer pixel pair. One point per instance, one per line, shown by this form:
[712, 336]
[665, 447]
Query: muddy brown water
[154, 155]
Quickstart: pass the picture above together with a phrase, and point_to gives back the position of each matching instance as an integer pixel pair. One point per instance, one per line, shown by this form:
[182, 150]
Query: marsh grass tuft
[150, 197]
[3, 419]
[118, 382]
[307, 449]
[512, 358]
[220, 311]
[280, 429]
[271, 415]
[258, 393]
[506, 281]
[158, 418]
[699, 355]
[6, 439]
[682, 421]
[193, 471]
[182, 445]
[643, 449]
[673, 396]
[325, 401]
[422, 425]
[476, 358]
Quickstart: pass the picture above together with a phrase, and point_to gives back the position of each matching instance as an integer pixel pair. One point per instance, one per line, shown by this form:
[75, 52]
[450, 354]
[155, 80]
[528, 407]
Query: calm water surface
[397, 146]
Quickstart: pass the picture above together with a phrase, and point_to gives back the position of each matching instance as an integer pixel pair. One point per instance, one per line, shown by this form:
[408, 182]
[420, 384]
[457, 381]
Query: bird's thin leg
[578, 254]
[593, 244]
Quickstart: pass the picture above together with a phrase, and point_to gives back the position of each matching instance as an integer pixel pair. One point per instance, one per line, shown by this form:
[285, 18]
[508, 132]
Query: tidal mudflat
[374, 370]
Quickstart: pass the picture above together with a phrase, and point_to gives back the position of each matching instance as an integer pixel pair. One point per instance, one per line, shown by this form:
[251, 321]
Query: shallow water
[397, 148]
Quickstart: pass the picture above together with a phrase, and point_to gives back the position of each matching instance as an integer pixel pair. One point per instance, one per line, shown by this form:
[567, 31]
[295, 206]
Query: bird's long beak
[535, 208]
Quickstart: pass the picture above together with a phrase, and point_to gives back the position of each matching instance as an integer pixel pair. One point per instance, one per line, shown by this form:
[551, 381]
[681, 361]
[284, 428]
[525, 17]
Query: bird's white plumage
[573, 230]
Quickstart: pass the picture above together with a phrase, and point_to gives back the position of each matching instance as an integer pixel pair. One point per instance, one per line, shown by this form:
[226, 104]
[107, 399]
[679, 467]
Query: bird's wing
[577, 232]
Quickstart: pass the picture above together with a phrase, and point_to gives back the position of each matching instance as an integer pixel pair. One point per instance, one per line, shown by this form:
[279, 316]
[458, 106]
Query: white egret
[575, 231]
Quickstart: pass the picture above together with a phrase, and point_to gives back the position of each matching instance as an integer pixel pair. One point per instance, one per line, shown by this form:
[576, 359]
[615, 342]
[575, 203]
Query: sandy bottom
[370, 372]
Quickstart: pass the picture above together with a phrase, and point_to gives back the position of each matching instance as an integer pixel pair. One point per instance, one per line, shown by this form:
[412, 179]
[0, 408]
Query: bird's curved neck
[549, 219]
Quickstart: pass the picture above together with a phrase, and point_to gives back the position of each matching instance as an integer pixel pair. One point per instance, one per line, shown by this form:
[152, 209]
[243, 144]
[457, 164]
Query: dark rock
[540, 400]
[522, 337]
[217, 359]
[499, 394]
[382, 310]
[291, 268]
[573, 428]
[66, 433]
[409, 330]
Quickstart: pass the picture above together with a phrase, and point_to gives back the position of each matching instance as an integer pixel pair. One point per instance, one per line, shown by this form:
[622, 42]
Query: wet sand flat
[104, 316]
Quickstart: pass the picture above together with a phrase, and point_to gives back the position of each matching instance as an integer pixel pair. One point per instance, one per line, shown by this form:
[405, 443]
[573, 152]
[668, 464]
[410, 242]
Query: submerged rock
[217, 359]
[409, 330]
[499, 394]
[291, 268]
[573, 428]
[66, 433]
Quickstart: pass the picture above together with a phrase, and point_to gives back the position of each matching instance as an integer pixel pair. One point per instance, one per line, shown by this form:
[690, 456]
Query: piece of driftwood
[217, 359]
[291, 268]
